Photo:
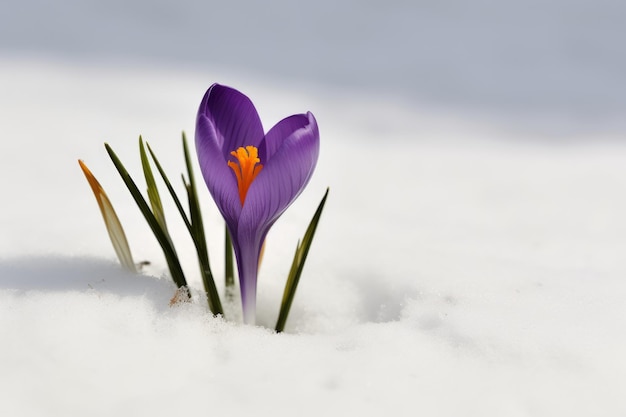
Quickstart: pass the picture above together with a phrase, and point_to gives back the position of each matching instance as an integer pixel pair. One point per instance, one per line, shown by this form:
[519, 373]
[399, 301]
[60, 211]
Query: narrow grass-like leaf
[229, 268]
[168, 184]
[168, 248]
[111, 221]
[195, 228]
[194, 205]
[302, 250]
[213, 297]
[153, 191]
[198, 226]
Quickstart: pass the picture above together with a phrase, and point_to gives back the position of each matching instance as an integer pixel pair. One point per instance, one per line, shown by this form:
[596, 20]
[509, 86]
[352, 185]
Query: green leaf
[111, 221]
[192, 195]
[299, 258]
[161, 235]
[229, 269]
[198, 226]
[153, 192]
[168, 184]
[195, 228]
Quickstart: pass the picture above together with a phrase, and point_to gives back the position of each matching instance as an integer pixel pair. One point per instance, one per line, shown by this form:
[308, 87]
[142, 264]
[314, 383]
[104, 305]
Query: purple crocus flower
[253, 177]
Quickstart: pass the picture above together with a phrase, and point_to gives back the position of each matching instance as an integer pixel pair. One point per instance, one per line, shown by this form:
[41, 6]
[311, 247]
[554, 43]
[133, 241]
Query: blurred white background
[555, 67]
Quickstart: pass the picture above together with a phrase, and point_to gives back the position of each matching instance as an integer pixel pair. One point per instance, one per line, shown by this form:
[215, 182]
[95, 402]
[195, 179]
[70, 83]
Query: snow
[467, 263]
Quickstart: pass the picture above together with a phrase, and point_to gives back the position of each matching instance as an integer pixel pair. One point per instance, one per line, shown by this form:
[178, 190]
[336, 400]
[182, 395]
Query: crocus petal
[285, 173]
[281, 131]
[234, 117]
[226, 120]
[284, 176]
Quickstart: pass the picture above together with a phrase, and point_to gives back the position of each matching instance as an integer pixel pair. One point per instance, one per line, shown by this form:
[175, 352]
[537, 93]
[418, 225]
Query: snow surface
[467, 263]
[457, 270]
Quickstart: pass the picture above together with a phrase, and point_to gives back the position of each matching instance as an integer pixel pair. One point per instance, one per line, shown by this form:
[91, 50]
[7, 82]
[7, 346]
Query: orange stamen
[246, 168]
